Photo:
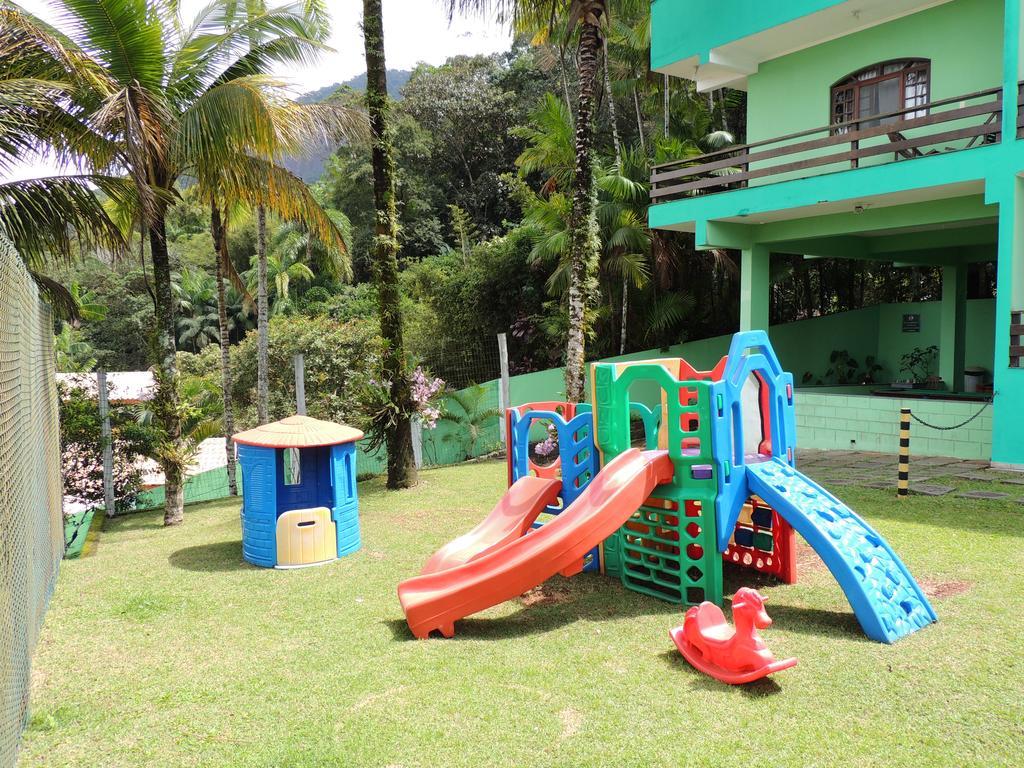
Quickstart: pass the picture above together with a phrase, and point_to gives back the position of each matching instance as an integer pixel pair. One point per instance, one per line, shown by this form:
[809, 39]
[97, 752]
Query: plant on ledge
[919, 364]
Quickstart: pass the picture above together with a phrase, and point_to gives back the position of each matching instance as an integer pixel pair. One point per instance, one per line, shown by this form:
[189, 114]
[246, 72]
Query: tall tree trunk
[639, 120]
[220, 245]
[565, 79]
[665, 103]
[611, 109]
[618, 169]
[583, 249]
[401, 466]
[725, 111]
[174, 511]
[625, 314]
[263, 346]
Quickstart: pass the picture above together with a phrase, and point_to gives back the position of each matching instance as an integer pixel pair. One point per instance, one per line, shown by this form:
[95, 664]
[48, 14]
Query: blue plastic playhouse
[299, 502]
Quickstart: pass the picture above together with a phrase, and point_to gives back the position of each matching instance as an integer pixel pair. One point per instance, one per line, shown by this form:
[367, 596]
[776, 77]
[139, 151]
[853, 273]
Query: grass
[165, 649]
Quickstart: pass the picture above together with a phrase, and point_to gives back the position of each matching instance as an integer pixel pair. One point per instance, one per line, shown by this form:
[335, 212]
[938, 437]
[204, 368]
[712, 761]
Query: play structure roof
[298, 432]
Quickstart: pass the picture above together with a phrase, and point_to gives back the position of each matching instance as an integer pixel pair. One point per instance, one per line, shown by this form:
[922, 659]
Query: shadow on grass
[807, 621]
[758, 689]
[593, 604]
[218, 557]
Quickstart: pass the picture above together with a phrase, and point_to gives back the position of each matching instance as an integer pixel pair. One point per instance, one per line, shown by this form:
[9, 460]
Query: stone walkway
[929, 475]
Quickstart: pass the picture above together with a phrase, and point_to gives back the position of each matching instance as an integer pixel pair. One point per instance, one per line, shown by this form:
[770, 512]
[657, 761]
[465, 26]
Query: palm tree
[48, 217]
[466, 410]
[73, 354]
[318, 29]
[169, 99]
[398, 432]
[325, 260]
[281, 269]
[587, 19]
[197, 320]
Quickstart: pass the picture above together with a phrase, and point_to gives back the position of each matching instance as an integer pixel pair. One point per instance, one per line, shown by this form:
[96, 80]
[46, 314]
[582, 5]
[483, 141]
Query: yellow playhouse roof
[298, 432]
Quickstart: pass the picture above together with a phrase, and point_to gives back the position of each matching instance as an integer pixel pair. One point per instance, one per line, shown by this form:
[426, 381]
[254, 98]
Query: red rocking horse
[708, 642]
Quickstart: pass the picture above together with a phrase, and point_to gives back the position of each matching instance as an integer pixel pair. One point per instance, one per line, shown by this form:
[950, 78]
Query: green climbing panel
[667, 549]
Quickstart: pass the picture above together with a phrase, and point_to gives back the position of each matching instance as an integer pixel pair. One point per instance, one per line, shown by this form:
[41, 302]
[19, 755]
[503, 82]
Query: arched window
[880, 89]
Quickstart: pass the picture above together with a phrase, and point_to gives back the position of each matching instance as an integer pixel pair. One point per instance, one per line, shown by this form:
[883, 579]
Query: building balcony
[952, 125]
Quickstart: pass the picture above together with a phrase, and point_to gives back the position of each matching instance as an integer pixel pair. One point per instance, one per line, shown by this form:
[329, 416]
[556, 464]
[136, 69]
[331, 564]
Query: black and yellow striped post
[903, 483]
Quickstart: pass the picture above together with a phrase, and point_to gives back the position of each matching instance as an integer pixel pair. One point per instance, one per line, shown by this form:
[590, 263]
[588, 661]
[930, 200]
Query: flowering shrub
[81, 444]
[374, 401]
[547, 447]
[425, 392]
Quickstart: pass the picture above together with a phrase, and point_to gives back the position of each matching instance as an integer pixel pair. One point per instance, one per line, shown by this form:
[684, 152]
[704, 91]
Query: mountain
[311, 168]
[397, 78]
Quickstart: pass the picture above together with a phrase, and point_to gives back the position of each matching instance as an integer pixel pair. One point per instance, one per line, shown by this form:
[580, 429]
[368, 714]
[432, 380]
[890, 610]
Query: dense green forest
[502, 193]
[484, 151]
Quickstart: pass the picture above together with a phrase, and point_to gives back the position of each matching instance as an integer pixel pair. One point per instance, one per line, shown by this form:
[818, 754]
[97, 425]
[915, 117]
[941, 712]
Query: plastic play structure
[734, 656]
[299, 502]
[717, 482]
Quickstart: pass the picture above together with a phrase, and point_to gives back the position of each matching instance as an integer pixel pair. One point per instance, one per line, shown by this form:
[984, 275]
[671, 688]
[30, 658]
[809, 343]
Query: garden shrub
[339, 358]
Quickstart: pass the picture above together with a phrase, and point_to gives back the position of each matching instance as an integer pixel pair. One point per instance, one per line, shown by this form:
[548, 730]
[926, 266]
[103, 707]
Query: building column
[1008, 383]
[754, 286]
[952, 338]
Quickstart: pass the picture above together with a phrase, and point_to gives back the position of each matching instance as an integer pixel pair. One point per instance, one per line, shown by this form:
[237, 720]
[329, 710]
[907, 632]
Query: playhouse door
[306, 537]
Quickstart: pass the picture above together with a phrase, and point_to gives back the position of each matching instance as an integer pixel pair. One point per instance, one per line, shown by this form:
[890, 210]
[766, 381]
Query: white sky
[414, 31]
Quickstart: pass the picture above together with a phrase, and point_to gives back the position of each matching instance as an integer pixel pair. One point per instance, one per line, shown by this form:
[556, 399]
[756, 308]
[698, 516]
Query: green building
[886, 130]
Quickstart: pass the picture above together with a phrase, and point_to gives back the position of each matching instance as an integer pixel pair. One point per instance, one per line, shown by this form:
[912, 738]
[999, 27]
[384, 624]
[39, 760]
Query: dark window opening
[881, 89]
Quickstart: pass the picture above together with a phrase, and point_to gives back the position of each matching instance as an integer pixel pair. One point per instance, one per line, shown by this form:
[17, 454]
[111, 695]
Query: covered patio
[952, 229]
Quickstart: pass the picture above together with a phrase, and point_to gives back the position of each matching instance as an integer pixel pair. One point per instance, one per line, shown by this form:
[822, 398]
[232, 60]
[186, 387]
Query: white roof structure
[124, 386]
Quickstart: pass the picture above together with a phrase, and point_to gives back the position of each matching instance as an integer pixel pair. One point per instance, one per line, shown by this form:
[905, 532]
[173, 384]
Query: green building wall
[840, 418]
[792, 93]
[699, 25]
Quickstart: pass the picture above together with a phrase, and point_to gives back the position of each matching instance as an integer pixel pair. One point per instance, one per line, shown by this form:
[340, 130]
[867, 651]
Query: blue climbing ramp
[884, 596]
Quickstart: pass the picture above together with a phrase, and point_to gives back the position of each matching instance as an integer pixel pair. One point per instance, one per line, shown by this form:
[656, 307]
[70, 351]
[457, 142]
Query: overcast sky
[414, 31]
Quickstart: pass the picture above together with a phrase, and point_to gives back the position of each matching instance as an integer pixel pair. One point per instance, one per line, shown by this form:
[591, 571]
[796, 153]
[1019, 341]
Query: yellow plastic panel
[306, 537]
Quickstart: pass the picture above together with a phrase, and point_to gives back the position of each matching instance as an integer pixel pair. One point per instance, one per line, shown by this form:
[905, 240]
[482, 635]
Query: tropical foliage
[495, 194]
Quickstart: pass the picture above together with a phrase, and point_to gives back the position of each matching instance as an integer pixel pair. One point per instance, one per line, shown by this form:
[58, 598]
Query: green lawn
[165, 649]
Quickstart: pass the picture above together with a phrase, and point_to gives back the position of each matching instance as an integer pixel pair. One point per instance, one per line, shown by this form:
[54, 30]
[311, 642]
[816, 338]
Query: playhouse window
[292, 467]
[879, 90]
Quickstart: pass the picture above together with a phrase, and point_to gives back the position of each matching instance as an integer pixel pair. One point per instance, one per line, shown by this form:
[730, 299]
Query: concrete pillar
[754, 286]
[953, 334]
[1008, 402]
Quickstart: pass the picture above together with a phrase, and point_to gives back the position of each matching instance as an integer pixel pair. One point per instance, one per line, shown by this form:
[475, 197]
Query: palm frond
[46, 217]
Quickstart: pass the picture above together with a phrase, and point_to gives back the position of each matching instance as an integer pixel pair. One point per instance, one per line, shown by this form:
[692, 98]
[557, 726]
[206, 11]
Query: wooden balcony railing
[1020, 110]
[949, 125]
[1017, 339]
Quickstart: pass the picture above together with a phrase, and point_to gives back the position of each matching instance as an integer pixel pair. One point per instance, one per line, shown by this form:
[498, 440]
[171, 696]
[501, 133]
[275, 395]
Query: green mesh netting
[31, 527]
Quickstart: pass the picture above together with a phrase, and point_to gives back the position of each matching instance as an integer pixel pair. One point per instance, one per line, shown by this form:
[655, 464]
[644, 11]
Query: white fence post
[417, 442]
[108, 445]
[503, 390]
[300, 385]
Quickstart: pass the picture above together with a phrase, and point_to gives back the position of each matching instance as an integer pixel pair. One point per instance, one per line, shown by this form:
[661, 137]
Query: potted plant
[919, 366]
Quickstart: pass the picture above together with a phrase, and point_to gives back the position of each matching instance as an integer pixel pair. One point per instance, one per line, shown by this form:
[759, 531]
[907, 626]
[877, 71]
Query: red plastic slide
[437, 600]
[508, 521]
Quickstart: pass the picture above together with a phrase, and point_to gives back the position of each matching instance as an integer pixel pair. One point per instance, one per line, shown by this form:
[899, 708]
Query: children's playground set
[716, 481]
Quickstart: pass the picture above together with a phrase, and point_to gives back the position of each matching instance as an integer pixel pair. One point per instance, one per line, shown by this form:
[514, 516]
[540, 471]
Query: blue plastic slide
[884, 596]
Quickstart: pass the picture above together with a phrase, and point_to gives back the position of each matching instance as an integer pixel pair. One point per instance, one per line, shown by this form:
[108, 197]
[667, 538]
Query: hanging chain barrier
[955, 426]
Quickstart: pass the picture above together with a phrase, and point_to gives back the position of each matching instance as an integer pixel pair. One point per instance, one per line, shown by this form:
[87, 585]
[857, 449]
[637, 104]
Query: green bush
[339, 358]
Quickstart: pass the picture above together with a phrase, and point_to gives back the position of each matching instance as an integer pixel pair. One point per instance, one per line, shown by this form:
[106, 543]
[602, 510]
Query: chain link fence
[468, 423]
[31, 527]
[465, 422]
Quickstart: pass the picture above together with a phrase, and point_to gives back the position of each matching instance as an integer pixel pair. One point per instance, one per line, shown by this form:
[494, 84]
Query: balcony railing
[1017, 339]
[949, 125]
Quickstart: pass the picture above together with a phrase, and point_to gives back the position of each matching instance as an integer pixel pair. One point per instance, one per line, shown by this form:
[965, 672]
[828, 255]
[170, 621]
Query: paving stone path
[879, 470]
